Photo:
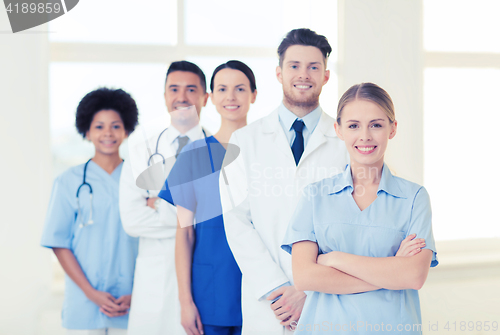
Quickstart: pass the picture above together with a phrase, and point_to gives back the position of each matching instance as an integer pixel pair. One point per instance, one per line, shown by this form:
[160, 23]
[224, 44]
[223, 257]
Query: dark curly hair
[104, 98]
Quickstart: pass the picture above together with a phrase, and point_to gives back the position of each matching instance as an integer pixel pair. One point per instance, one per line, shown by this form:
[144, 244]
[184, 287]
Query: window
[461, 83]
[70, 81]
[96, 45]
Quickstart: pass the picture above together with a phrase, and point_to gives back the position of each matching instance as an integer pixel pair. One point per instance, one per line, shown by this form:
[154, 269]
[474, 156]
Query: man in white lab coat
[279, 154]
[155, 303]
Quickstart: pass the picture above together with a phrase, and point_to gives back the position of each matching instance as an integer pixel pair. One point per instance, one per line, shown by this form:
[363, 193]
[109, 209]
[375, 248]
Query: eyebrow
[226, 86]
[370, 121]
[296, 62]
[174, 85]
[111, 122]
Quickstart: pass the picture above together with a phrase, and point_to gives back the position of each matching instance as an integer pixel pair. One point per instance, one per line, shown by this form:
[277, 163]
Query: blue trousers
[221, 330]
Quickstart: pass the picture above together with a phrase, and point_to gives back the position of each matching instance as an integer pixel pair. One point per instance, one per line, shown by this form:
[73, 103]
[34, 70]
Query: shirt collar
[288, 118]
[344, 180]
[193, 134]
[388, 182]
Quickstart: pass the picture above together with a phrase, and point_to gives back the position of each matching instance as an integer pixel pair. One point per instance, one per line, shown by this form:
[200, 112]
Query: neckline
[106, 172]
[357, 206]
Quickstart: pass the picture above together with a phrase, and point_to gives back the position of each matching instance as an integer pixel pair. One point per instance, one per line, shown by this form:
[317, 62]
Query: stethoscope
[84, 183]
[90, 221]
[158, 141]
[209, 153]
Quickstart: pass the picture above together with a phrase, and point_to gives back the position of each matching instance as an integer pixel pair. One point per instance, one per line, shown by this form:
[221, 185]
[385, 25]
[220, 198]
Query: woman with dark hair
[208, 277]
[83, 225]
[362, 240]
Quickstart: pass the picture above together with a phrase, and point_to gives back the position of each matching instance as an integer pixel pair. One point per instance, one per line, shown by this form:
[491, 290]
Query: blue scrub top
[105, 252]
[193, 183]
[328, 215]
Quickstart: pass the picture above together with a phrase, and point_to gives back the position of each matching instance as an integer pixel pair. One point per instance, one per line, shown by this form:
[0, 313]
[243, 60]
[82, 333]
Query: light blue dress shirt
[328, 215]
[104, 251]
[287, 118]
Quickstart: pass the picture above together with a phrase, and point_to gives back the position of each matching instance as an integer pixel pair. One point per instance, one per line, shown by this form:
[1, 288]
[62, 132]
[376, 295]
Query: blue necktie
[298, 143]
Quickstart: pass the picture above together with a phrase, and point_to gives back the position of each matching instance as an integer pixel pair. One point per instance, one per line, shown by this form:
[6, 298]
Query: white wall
[26, 178]
[381, 42]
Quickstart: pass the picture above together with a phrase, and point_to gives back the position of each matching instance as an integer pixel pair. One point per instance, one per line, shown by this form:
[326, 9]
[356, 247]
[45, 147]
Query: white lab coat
[265, 185]
[155, 308]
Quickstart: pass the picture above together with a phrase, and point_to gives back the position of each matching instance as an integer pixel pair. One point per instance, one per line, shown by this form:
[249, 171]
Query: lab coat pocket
[203, 288]
[149, 284]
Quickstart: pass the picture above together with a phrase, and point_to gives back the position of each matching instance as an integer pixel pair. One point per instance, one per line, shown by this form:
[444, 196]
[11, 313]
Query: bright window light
[229, 23]
[461, 116]
[461, 25]
[117, 21]
[69, 82]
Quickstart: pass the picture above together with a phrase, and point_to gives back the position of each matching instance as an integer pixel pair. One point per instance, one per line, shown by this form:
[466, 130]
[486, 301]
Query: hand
[151, 202]
[289, 307]
[107, 303]
[410, 246]
[124, 301]
[190, 319]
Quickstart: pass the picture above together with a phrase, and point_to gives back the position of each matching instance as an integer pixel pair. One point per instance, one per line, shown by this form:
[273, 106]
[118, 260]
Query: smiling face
[106, 132]
[183, 89]
[232, 94]
[302, 75]
[365, 128]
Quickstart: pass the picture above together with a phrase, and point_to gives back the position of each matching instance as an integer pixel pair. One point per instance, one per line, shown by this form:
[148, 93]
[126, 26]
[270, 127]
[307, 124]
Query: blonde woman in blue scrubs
[346, 231]
[83, 225]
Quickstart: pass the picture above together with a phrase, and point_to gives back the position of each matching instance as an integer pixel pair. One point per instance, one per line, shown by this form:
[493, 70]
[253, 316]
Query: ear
[87, 135]
[393, 130]
[279, 74]
[205, 99]
[338, 130]
[327, 76]
[254, 96]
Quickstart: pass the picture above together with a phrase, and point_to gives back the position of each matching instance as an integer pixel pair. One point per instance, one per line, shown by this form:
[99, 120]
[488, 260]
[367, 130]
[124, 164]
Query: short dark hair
[102, 99]
[307, 37]
[235, 65]
[186, 66]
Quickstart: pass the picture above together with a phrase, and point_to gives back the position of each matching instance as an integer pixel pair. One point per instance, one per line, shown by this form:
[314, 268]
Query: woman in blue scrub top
[207, 274]
[85, 231]
[356, 221]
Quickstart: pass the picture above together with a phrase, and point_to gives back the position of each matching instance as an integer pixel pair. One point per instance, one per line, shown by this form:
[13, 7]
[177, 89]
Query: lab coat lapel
[323, 130]
[272, 128]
